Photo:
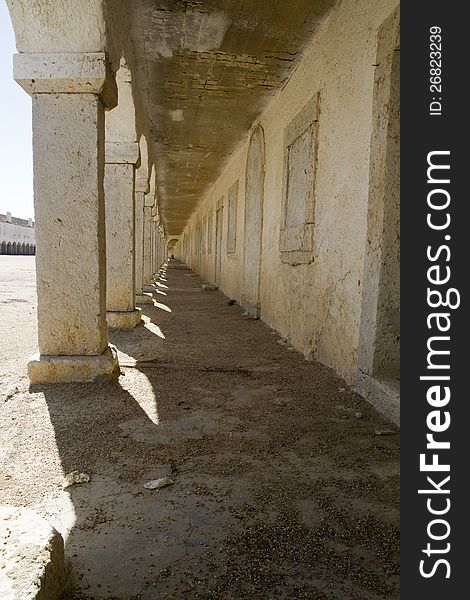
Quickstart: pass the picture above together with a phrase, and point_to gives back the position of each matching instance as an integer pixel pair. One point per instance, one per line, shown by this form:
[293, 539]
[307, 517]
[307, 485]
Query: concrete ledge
[142, 185]
[66, 73]
[65, 369]
[144, 299]
[32, 563]
[383, 394]
[149, 200]
[122, 152]
[127, 319]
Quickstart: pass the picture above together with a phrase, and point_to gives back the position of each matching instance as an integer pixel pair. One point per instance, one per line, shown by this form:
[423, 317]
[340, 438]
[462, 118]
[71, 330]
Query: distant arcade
[17, 236]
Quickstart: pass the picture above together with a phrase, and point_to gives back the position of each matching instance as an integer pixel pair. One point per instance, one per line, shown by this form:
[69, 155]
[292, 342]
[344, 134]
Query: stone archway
[254, 197]
[4, 248]
[172, 245]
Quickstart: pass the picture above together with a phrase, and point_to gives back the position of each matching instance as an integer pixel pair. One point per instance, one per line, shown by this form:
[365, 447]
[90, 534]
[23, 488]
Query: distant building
[17, 236]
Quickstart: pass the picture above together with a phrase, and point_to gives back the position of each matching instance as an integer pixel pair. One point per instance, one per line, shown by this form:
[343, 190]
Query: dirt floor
[286, 483]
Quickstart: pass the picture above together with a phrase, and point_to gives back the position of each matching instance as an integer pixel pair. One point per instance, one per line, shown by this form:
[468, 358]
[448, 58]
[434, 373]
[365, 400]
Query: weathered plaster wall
[316, 305]
[380, 347]
[197, 63]
[231, 281]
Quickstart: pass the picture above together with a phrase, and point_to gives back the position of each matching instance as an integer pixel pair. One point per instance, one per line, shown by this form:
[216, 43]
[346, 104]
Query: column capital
[142, 185]
[66, 73]
[122, 152]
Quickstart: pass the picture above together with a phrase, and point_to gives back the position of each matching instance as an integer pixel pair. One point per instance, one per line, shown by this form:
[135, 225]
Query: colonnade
[17, 248]
[99, 236]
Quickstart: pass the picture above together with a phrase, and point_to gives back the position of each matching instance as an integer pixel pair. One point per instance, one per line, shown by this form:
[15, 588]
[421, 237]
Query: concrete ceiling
[205, 71]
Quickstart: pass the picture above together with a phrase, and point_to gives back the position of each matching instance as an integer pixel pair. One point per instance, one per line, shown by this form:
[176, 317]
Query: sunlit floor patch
[162, 306]
[140, 388]
[148, 324]
[57, 507]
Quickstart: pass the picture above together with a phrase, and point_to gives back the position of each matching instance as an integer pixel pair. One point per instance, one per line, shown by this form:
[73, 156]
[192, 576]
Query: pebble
[156, 484]
[385, 432]
[75, 477]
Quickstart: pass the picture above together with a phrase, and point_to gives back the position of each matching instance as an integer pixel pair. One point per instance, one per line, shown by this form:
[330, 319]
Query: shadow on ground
[283, 486]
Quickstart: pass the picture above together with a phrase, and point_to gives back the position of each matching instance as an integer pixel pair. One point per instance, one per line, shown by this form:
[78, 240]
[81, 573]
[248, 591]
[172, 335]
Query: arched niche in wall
[253, 231]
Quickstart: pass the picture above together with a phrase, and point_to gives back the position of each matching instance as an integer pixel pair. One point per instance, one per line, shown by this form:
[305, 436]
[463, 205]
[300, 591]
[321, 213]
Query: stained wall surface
[315, 297]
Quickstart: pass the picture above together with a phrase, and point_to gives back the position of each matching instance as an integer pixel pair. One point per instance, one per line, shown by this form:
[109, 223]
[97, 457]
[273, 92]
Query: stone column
[121, 158]
[163, 245]
[155, 249]
[152, 248]
[158, 260]
[161, 251]
[149, 201]
[69, 92]
[155, 222]
[141, 188]
[164, 251]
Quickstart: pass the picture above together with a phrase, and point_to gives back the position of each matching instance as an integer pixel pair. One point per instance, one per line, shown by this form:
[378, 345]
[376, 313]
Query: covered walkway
[258, 144]
[285, 481]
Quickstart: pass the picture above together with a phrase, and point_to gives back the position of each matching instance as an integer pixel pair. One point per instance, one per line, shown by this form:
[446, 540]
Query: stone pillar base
[32, 556]
[65, 369]
[149, 288]
[144, 299]
[127, 319]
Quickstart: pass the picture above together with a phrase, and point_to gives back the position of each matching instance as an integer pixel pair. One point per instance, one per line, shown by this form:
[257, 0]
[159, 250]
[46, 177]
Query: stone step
[32, 562]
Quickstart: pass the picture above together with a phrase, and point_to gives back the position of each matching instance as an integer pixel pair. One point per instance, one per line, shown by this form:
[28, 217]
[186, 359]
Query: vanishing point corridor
[285, 481]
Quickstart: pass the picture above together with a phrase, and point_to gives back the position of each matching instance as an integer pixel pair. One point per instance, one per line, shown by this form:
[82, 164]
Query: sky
[16, 155]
